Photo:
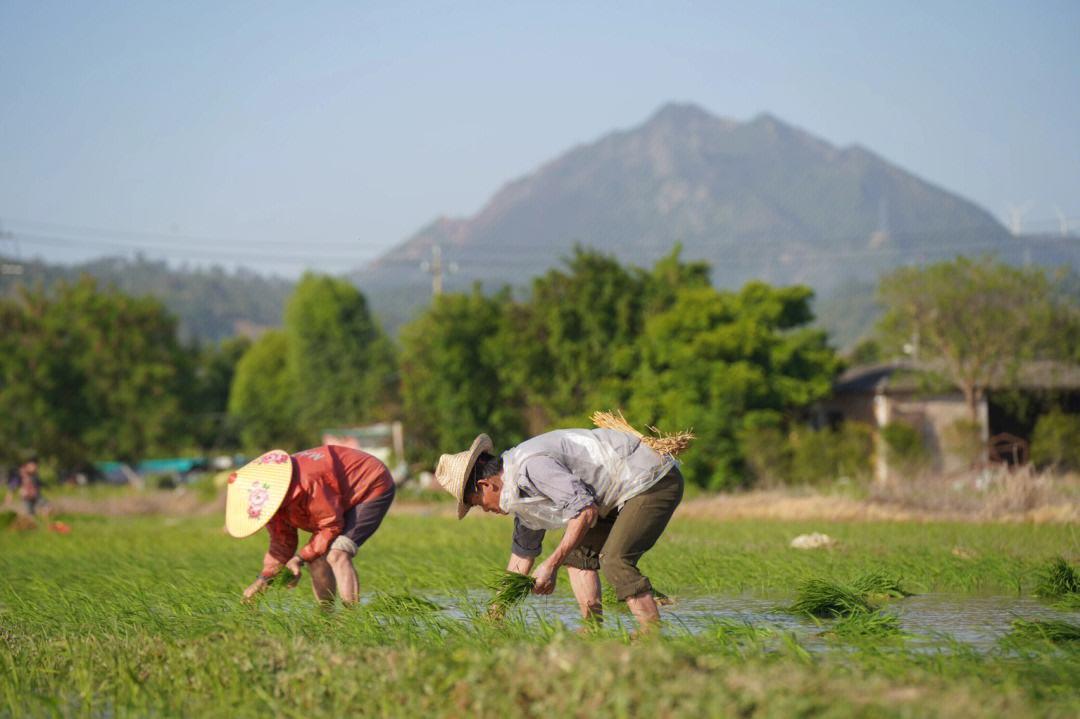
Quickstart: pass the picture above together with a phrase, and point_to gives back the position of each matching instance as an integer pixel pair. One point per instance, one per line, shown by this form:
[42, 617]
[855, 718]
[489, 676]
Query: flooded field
[141, 617]
[975, 620]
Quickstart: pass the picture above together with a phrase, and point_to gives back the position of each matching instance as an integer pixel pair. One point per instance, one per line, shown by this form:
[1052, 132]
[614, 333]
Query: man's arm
[525, 548]
[575, 533]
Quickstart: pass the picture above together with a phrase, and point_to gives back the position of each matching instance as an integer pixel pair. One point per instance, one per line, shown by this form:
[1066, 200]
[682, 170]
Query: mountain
[757, 199]
[210, 304]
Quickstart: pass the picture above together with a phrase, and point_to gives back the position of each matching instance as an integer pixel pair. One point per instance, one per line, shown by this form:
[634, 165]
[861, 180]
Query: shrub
[905, 448]
[963, 438]
[1056, 440]
[823, 455]
[767, 454]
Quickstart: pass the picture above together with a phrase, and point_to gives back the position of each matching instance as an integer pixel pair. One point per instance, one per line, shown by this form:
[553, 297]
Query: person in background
[26, 483]
[338, 494]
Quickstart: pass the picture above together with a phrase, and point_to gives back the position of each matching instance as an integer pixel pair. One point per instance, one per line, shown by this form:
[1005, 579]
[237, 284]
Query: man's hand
[255, 588]
[545, 576]
[293, 565]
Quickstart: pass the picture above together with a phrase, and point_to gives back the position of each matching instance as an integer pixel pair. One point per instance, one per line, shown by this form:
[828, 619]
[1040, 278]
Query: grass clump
[405, 604]
[876, 625]
[1057, 579]
[1052, 630]
[511, 588]
[829, 600]
[878, 585]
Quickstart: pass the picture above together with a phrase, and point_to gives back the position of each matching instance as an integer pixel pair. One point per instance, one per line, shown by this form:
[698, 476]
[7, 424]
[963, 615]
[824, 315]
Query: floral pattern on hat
[258, 496]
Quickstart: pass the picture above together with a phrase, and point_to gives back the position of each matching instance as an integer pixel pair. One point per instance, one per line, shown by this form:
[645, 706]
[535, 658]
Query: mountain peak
[680, 113]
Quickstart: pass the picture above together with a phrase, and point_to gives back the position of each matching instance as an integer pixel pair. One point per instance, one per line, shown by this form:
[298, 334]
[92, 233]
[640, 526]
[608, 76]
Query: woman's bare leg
[322, 580]
[348, 584]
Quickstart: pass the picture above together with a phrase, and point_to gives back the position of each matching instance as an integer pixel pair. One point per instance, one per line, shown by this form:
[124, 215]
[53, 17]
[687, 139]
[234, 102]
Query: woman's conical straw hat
[255, 492]
[670, 444]
[453, 470]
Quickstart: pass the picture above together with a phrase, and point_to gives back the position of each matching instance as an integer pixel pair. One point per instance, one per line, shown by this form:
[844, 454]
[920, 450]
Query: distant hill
[757, 199]
[210, 304]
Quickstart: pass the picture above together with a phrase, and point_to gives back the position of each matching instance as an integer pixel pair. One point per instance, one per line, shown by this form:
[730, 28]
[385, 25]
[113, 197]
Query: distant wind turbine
[1016, 217]
[1063, 223]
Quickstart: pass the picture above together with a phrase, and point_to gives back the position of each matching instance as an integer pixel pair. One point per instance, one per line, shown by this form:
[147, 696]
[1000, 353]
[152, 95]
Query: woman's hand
[545, 576]
[293, 565]
[257, 587]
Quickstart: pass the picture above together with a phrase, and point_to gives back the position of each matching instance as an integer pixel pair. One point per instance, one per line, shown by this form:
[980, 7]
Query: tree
[340, 362]
[575, 341]
[262, 399]
[977, 319]
[209, 377]
[722, 363]
[89, 373]
[454, 368]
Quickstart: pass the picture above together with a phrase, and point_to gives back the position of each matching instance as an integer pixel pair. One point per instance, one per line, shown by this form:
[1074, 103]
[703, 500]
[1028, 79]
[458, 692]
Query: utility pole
[10, 269]
[436, 269]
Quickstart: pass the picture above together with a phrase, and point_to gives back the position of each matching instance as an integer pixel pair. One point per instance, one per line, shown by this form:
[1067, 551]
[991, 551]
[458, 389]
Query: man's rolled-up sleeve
[527, 542]
[552, 479]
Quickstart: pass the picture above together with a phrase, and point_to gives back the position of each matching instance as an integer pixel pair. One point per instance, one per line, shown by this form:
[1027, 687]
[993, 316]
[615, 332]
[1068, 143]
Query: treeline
[89, 372]
[210, 304]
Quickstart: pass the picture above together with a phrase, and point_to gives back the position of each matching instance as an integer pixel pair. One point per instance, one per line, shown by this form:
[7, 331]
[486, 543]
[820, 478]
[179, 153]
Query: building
[914, 394]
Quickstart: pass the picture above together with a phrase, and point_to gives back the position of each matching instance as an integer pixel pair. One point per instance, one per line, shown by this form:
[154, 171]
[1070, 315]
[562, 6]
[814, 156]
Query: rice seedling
[404, 603]
[873, 625]
[829, 600]
[1057, 579]
[1051, 630]
[511, 588]
[160, 631]
[879, 585]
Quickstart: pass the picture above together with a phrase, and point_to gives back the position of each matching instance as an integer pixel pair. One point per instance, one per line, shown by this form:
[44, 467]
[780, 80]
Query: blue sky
[290, 135]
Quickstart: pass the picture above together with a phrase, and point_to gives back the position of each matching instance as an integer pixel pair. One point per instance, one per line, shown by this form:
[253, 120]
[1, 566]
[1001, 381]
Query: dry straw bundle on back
[663, 443]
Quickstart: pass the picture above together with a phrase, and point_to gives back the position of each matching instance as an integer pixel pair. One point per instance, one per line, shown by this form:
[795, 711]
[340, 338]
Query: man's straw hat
[255, 492]
[453, 470]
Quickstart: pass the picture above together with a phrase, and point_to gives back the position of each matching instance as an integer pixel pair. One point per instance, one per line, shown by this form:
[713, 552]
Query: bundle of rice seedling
[284, 579]
[511, 588]
[1056, 631]
[874, 625]
[1057, 579]
[879, 585]
[661, 442]
[822, 598]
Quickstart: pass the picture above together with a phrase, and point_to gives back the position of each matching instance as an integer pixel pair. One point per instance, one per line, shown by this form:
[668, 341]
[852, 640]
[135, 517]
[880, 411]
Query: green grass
[141, 617]
[1056, 631]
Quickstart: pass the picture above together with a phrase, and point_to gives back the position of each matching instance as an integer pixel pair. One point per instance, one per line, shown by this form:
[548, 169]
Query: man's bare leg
[322, 580]
[348, 584]
[586, 586]
[645, 611]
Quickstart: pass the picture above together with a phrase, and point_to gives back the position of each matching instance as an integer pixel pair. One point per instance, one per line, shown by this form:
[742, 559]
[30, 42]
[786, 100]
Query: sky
[285, 136]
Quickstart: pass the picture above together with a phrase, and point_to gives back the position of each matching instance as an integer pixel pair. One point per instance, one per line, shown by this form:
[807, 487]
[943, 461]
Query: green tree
[977, 319]
[340, 362]
[716, 361]
[206, 403]
[575, 343]
[262, 401]
[89, 373]
[454, 361]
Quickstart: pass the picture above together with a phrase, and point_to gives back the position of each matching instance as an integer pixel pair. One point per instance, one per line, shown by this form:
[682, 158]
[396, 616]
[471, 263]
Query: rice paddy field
[141, 617]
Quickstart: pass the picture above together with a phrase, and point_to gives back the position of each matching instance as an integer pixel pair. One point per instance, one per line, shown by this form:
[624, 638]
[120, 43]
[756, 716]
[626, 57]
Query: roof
[907, 376]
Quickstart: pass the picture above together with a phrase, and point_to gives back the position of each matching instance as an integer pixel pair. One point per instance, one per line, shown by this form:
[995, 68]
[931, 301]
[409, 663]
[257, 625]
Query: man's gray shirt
[544, 475]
